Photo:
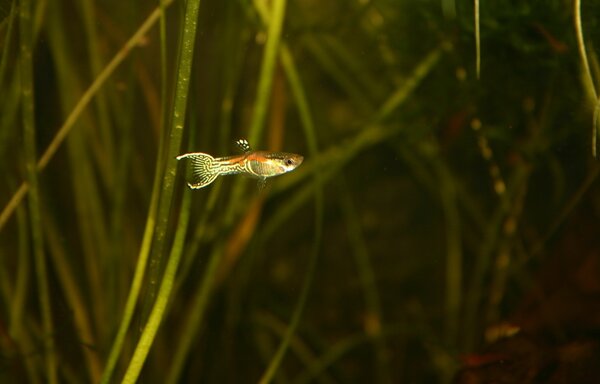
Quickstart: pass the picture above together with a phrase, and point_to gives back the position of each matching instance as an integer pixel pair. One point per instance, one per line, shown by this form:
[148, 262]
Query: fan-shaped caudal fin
[203, 172]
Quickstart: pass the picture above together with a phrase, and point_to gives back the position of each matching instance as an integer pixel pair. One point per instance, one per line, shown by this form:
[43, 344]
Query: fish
[256, 164]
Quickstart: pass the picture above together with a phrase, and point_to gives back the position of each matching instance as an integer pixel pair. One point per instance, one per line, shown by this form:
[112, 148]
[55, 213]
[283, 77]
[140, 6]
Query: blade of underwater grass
[102, 114]
[374, 88]
[7, 44]
[477, 38]
[267, 70]
[27, 110]
[9, 99]
[263, 95]
[144, 252]
[74, 297]
[85, 99]
[492, 233]
[232, 43]
[168, 281]
[323, 56]
[297, 345]
[337, 156]
[587, 75]
[362, 259]
[198, 306]
[93, 233]
[370, 136]
[309, 132]
[449, 203]
[341, 348]
[184, 68]
[17, 299]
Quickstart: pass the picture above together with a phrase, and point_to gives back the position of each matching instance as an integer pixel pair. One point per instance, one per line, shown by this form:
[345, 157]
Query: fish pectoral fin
[262, 183]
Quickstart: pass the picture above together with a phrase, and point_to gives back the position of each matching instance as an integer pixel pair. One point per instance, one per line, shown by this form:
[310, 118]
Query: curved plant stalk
[198, 305]
[184, 69]
[588, 79]
[364, 268]
[263, 92]
[103, 116]
[7, 43]
[477, 39]
[341, 348]
[27, 110]
[85, 99]
[158, 311]
[267, 70]
[140, 270]
[73, 295]
[298, 346]
[373, 134]
[309, 132]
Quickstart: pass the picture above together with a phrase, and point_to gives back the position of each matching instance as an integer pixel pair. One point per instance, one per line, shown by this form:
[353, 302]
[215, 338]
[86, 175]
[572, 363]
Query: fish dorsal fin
[243, 145]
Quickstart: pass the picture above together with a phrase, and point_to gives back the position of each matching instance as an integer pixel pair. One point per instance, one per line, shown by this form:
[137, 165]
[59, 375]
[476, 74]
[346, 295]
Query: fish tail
[204, 169]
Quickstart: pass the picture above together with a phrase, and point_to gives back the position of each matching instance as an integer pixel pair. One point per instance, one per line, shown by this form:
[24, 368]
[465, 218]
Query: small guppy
[257, 164]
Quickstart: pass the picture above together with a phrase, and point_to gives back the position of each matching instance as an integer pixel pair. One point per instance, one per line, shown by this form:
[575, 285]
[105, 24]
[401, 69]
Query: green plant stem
[453, 289]
[297, 345]
[588, 79]
[201, 298]
[164, 206]
[267, 70]
[341, 348]
[7, 43]
[198, 309]
[492, 235]
[184, 69]
[27, 109]
[102, 115]
[374, 316]
[477, 38]
[85, 99]
[73, 295]
[140, 269]
[309, 132]
[158, 311]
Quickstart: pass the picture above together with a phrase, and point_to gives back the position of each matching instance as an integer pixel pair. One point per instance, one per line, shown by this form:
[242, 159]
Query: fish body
[257, 164]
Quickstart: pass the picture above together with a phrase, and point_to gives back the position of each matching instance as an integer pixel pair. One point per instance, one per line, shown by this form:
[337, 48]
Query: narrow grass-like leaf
[198, 306]
[267, 70]
[85, 99]
[477, 38]
[168, 281]
[149, 228]
[362, 257]
[27, 109]
[309, 132]
[587, 74]
[184, 69]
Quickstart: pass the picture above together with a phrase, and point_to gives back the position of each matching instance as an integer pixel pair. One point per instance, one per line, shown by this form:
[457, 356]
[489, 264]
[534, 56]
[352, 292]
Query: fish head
[267, 164]
[291, 161]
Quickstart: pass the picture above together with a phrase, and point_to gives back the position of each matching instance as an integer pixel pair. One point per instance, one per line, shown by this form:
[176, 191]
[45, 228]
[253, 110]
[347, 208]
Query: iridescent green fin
[204, 170]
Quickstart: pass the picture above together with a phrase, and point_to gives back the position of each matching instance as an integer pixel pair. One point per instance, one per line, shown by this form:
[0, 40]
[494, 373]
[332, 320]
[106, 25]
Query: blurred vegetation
[429, 199]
